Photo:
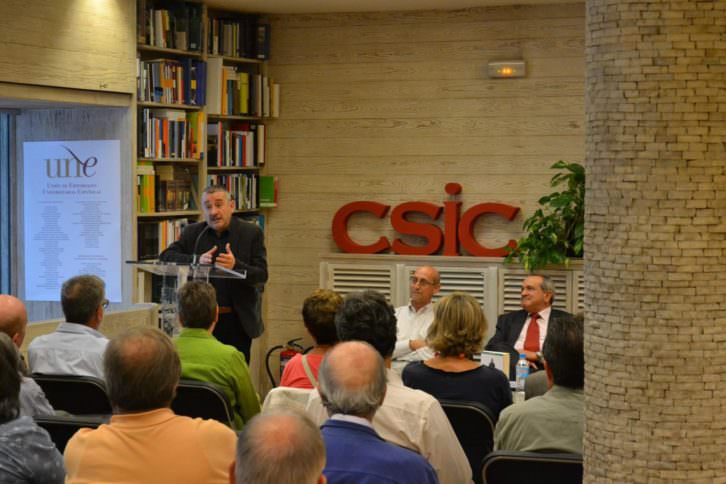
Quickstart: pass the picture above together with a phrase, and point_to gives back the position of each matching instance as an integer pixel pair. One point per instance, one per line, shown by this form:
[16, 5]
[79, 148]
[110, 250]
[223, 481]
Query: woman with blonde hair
[456, 335]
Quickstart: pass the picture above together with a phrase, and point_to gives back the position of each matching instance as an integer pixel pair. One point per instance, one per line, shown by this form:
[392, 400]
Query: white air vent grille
[344, 278]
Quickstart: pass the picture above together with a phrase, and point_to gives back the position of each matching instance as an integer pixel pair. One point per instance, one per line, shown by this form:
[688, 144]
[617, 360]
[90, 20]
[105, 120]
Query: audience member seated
[456, 335]
[204, 358]
[26, 452]
[413, 320]
[145, 442]
[352, 388]
[319, 317]
[75, 347]
[279, 448]
[13, 321]
[524, 331]
[409, 418]
[553, 422]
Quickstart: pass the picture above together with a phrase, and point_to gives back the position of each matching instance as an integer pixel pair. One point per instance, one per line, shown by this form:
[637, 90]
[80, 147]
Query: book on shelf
[170, 25]
[268, 191]
[238, 36]
[173, 188]
[233, 145]
[242, 187]
[145, 174]
[172, 81]
[262, 42]
[233, 91]
[170, 133]
[154, 237]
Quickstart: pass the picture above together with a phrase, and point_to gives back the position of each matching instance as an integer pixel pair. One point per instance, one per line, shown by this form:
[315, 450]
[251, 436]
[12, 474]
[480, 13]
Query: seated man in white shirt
[75, 347]
[408, 418]
[414, 319]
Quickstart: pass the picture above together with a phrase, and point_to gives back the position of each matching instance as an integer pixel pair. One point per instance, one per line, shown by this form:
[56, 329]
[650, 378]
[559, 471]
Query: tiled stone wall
[655, 273]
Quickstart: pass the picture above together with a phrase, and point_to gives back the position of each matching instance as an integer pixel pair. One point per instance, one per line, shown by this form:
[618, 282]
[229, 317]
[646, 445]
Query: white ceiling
[332, 6]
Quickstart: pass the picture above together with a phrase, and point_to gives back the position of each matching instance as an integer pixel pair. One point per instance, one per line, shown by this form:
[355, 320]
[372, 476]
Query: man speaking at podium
[226, 241]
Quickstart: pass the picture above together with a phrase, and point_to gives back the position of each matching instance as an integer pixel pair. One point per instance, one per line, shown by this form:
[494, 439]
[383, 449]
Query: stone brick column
[655, 270]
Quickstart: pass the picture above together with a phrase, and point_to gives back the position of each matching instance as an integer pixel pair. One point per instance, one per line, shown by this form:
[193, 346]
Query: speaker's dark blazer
[246, 241]
[509, 326]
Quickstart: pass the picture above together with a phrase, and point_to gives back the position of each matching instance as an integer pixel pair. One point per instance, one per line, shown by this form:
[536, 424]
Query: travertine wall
[392, 106]
[656, 241]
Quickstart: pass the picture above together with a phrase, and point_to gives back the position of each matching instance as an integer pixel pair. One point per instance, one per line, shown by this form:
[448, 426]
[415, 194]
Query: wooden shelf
[165, 50]
[171, 160]
[232, 117]
[186, 107]
[170, 214]
[237, 60]
[247, 210]
[220, 169]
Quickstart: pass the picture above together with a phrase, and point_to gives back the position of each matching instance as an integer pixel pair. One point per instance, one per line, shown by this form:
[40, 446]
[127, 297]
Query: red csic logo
[458, 229]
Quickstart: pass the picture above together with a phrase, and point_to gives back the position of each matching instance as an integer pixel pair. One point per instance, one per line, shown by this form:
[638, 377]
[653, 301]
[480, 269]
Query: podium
[173, 276]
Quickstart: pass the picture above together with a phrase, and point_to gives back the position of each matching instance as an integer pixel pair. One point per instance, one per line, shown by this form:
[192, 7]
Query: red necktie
[531, 341]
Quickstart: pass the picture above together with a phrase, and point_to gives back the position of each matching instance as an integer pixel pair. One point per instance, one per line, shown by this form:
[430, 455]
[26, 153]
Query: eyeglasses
[421, 282]
[104, 303]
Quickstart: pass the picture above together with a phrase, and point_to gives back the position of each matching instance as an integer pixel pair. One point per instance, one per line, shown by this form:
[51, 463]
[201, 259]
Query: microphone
[196, 243]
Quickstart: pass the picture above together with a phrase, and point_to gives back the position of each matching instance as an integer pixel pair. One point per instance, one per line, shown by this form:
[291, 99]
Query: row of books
[232, 91]
[171, 133]
[235, 145]
[239, 36]
[172, 81]
[154, 237]
[242, 187]
[172, 25]
[165, 188]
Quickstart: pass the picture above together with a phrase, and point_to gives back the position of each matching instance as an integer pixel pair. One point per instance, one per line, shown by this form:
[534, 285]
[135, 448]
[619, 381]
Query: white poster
[72, 200]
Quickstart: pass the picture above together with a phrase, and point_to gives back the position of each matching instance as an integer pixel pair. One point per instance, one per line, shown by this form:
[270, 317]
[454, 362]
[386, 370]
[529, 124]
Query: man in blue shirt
[352, 387]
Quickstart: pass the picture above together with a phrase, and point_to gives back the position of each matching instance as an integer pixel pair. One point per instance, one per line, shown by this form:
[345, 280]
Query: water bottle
[522, 372]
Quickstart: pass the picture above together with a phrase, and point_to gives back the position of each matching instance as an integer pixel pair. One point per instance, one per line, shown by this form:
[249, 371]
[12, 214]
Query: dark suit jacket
[509, 326]
[247, 244]
[356, 454]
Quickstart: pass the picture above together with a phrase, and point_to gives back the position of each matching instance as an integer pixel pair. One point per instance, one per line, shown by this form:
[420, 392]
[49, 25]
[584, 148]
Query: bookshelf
[202, 100]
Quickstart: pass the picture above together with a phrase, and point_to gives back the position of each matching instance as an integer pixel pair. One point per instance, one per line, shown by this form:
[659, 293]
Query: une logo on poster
[458, 228]
[66, 168]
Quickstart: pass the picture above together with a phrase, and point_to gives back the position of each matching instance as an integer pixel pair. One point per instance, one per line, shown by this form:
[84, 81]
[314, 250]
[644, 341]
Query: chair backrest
[507, 466]
[474, 426]
[202, 399]
[62, 427]
[286, 398]
[79, 395]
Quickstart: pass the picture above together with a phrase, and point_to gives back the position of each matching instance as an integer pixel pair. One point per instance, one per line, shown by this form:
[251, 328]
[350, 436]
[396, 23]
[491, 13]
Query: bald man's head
[280, 448]
[13, 318]
[352, 379]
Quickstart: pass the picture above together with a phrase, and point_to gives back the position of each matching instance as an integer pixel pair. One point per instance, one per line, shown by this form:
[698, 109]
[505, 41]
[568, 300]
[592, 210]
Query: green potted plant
[555, 232]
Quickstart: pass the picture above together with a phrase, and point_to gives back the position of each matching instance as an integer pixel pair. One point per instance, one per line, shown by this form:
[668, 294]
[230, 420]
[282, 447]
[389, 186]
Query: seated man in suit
[524, 331]
[352, 388]
[75, 347]
[409, 418]
[204, 358]
[553, 422]
[279, 448]
[145, 442]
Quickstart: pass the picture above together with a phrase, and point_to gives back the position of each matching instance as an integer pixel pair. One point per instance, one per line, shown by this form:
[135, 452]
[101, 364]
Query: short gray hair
[279, 448]
[359, 400]
[548, 285]
[81, 296]
[216, 189]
